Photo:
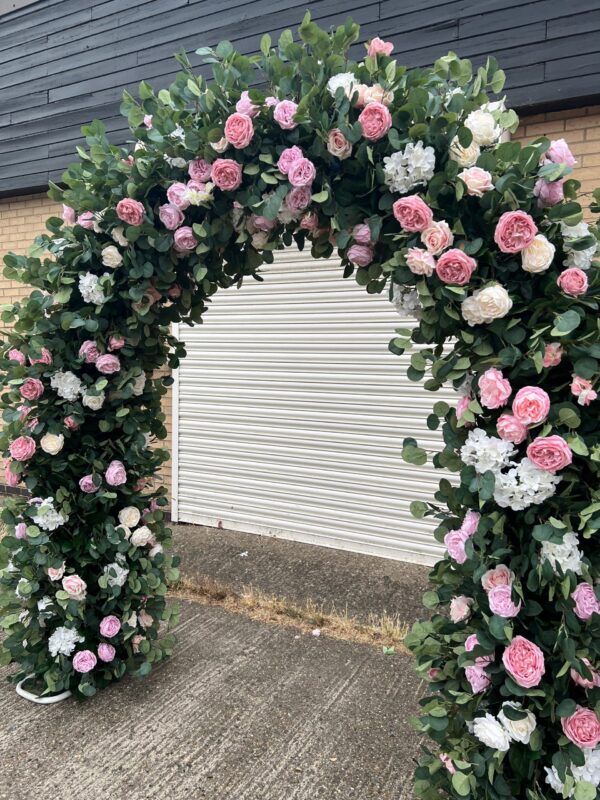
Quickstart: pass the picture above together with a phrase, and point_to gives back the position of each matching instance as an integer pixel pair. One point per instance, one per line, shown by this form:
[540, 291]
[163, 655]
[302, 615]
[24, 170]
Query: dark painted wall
[64, 62]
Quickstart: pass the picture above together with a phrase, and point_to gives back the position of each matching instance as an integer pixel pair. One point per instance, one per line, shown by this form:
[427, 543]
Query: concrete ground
[243, 710]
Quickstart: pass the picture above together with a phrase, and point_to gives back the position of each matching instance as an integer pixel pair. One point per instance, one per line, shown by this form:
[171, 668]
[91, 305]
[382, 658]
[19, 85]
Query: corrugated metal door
[291, 414]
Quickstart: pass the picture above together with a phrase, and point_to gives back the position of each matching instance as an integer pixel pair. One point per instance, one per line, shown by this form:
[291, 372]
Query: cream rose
[465, 156]
[93, 401]
[486, 305]
[141, 536]
[52, 443]
[519, 730]
[119, 237]
[129, 516]
[538, 256]
[111, 257]
[483, 127]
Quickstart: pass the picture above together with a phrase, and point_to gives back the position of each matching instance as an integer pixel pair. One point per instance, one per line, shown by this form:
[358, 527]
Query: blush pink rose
[498, 576]
[44, 358]
[553, 355]
[16, 355]
[309, 221]
[283, 114]
[226, 174]
[462, 406]
[116, 474]
[478, 678]
[184, 239]
[130, 211]
[477, 180]
[136, 642]
[501, 602]
[338, 145]
[148, 121]
[412, 213]
[586, 602]
[177, 195]
[586, 683]
[75, 587]
[583, 390]
[110, 626]
[171, 216]
[261, 223]
[531, 405]
[106, 652]
[511, 429]
[116, 342]
[447, 762]
[22, 448]
[437, 237]
[68, 215]
[87, 485]
[524, 662]
[199, 170]
[89, 352]
[298, 198]
[455, 267]
[56, 573]
[84, 661]
[573, 281]
[559, 153]
[239, 130]
[494, 388]
[420, 262]
[455, 545]
[86, 220]
[470, 522]
[550, 453]
[10, 478]
[288, 157]
[302, 172]
[375, 121]
[460, 608]
[70, 423]
[515, 231]
[20, 530]
[549, 193]
[582, 728]
[108, 364]
[378, 47]
[361, 233]
[360, 254]
[31, 389]
[245, 105]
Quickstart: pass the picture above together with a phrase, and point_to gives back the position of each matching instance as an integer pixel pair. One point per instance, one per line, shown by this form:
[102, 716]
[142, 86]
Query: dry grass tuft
[383, 631]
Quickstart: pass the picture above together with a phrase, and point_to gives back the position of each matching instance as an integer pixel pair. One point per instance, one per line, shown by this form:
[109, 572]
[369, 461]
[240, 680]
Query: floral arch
[404, 174]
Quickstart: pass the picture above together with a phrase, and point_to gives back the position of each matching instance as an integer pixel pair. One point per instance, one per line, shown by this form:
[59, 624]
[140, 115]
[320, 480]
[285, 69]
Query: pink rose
[549, 193]
[460, 608]
[115, 474]
[531, 405]
[22, 448]
[245, 105]
[136, 642]
[420, 262]
[470, 523]
[309, 221]
[106, 652]
[89, 352]
[271, 101]
[75, 587]
[56, 573]
[375, 121]
[84, 661]
[362, 233]
[455, 267]
[524, 662]
[130, 211]
[582, 728]
[494, 388]
[477, 181]
[45, 357]
[510, 429]
[298, 199]
[559, 153]
[10, 478]
[499, 576]
[550, 453]
[463, 405]
[434, 673]
[471, 642]
[148, 121]
[283, 114]
[378, 47]
[110, 626]
[226, 174]
[261, 223]
[170, 215]
[177, 195]
[86, 220]
[199, 170]
[412, 213]
[360, 254]
[116, 342]
[437, 237]
[288, 157]
[20, 530]
[478, 678]
[447, 762]
[586, 683]
[338, 145]
[582, 389]
[573, 281]
[585, 601]
[70, 423]
[87, 485]
[68, 215]
[501, 602]
[31, 389]
[184, 239]
[553, 355]
[302, 172]
[455, 545]
[16, 355]
[239, 130]
[515, 231]
[108, 364]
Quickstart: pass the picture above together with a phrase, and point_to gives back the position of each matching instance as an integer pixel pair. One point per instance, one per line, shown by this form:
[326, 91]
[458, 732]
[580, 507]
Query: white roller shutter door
[290, 414]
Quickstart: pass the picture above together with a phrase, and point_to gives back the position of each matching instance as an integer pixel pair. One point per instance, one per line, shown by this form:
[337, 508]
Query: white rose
[220, 146]
[538, 256]
[93, 401]
[347, 80]
[465, 156]
[129, 516]
[158, 548]
[489, 731]
[125, 529]
[141, 536]
[471, 312]
[486, 305]
[519, 730]
[111, 257]
[483, 127]
[119, 237]
[52, 444]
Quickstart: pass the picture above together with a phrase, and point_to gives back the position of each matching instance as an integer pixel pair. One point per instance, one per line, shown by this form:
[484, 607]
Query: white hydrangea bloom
[406, 301]
[413, 166]
[47, 517]
[554, 781]
[66, 384]
[590, 772]
[524, 485]
[90, 289]
[116, 574]
[347, 80]
[577, 258]
[566, 554]
[486, 452]
[489, 731]
[63, 641]
[197, 197]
